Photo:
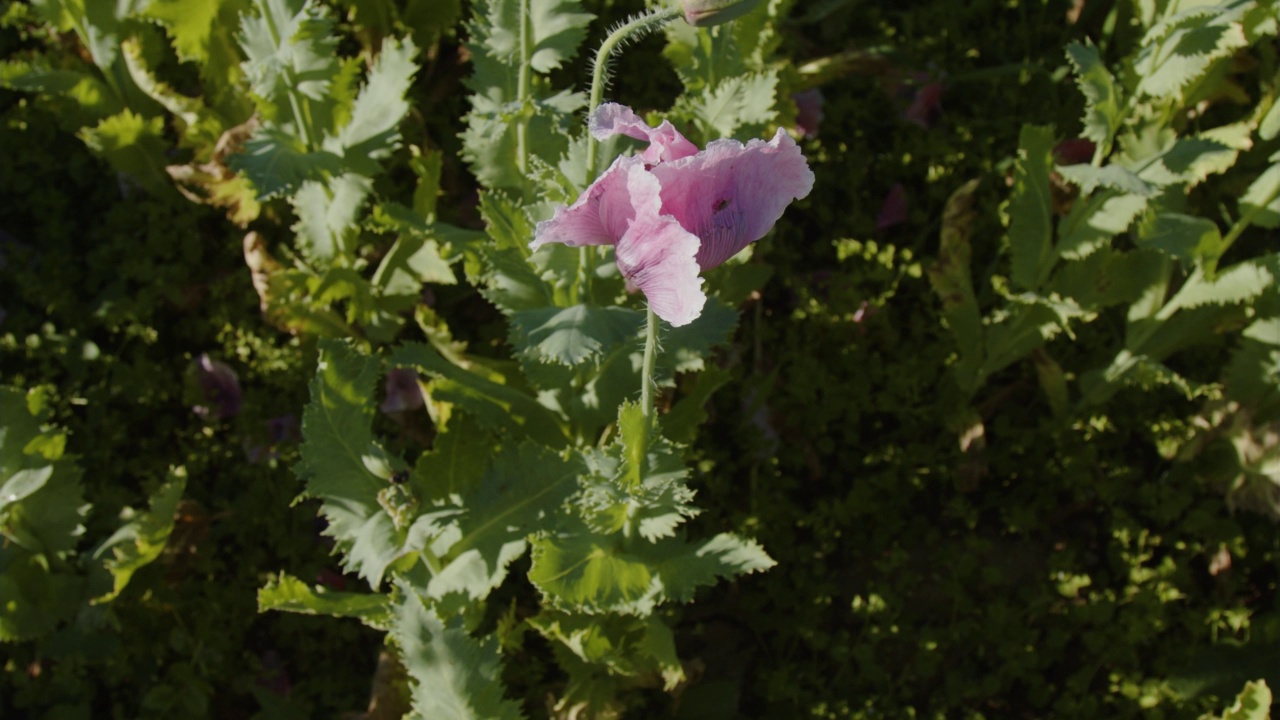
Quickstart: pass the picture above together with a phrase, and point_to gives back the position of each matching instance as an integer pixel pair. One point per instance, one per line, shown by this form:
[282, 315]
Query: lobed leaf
[140, 541]
[1030, 228]
[289, 594]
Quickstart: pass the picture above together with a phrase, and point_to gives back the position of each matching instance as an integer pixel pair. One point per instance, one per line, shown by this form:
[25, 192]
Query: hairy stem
[635, 28]
[522, 91]
[650, 357]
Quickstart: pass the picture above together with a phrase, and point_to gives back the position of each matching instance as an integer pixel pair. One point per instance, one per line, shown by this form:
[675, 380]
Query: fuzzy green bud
[705, 13]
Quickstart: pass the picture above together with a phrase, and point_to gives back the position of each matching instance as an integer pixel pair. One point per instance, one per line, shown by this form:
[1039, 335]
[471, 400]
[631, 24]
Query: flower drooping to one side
[672, 211]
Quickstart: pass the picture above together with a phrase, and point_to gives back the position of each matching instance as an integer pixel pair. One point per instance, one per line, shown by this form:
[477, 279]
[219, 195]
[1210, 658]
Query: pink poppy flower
[672, 211]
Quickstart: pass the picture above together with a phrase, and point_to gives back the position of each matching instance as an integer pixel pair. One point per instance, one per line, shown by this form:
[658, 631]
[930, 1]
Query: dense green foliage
[986, 428]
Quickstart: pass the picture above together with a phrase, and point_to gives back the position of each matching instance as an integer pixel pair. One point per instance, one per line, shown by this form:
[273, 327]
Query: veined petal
[598, 217]
[665, 142]
[657, 255]
[730, 195]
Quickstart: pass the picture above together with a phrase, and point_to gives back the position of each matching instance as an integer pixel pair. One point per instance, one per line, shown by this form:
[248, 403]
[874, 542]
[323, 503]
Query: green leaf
[1107, 278]
[1261, 202]
[492, 405]
[289, 594]
[1030, 228]
[327, 215]
[455, 676]
[591, 573]
[343, 466]
[203, 33]
[555, 29]
[1090, 178]
[410, 263]
[455, 465]
[1184, 237]
[685, 348]
[290, 48]
[1253, 703]
[681, 423]
[572, 335]
[1102, 101]
[81, 97]
[141, 540]
[276, 162]
[36, 600]
[1179, 51]
[519, 494]
[738, 106]
[624, 646]
[1093, 222]
[372, 134]
[134, 145]
[1239, 283]
[41, 500]
[950, 276]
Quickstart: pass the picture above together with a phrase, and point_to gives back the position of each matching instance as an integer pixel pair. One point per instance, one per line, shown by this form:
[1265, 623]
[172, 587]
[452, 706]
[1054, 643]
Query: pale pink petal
[666, 143]
[598, 217]
[730, 195]
[657, 255]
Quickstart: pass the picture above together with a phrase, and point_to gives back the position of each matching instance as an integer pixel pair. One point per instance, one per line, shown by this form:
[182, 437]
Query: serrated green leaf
[1184, 237]
[1261, 202]
[738, 106]
[1191, 161]
[1093, 222]
[35, 599]
[685, 348]
[1180, 50]
[1025, 328]
[343, 466]
[42, 506]
[372, 134]
[141, 540]
[1102, 101]
[682, 421]
[1253, 703]
[1252, 376]
[290, 48]
[1090, 178]
[455, 465]
[1107, 278]
[84, 98]
[455, 676]
[203, 33]
[1239, 283]
[552, 29]
[492, 405]
[289, 594]
[573, 335]
[586, 572]
[277, 163]
[1030, 207]
[410, 263]
[327, 214]
[625, 646]
[134, 145]
[519, 494]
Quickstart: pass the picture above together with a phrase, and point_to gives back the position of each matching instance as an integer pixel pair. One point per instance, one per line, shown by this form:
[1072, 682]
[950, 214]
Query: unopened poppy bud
[705, 13]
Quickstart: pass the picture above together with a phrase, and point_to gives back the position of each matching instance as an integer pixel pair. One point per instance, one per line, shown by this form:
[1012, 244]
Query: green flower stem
[522, 91]
[650, 357]
[633, 29]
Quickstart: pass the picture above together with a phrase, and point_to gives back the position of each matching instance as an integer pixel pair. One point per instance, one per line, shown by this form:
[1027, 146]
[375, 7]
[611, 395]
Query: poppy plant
[672, 210]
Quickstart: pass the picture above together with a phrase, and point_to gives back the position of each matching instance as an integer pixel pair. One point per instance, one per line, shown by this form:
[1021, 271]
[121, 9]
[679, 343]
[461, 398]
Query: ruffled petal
[598, 217]
[731, 195]
[665, 142]
[657, 255]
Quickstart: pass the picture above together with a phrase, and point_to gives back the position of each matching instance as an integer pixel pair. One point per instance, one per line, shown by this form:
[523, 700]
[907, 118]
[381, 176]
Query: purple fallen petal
[926, 108]
[894, 209]
[283, 429]
[1073, 151]
[220, 387]
[808, 111]
[404, 393]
